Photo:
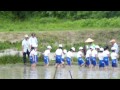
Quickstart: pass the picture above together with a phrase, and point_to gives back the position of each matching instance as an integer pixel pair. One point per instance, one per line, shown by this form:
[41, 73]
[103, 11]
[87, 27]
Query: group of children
[92, 54]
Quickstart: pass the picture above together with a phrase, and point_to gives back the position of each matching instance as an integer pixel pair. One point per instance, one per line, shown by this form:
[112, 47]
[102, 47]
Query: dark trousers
[24, 56]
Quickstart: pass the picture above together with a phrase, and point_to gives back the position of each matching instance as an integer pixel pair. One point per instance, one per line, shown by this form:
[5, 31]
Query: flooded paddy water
[19, 71]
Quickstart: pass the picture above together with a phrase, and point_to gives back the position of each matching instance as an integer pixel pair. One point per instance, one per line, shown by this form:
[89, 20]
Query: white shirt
[58, 52]
[106, 53]
[47, 52]
[88, 53]
[114, 55]
[117, 48]
[36, 53]
[33, 41]
[79, 54]
[69, 54]
[94, 53]
[63, 55]
[26, 45]
[100, 56]
[32, 53]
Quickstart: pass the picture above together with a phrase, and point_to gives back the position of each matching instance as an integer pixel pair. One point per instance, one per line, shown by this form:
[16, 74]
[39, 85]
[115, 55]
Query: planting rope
[70, 74]
[55, 73]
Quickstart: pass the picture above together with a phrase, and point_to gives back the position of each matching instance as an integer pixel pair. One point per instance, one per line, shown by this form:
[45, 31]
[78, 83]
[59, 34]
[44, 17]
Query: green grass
[17, 59]
[54, 24]
[54, 38]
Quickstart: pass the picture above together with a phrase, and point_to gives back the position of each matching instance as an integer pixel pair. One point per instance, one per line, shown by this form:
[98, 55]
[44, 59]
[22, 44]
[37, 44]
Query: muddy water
[19, 71]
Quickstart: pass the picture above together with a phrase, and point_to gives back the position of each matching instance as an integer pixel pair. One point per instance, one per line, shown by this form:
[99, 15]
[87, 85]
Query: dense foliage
[74, 15]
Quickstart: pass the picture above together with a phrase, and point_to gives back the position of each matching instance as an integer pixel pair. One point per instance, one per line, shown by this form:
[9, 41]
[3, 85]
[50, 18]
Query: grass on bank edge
[4, 60]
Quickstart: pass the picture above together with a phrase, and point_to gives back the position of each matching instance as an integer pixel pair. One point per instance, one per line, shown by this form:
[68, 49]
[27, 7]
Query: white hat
[80, 48]
[113, 40]
[97, 46]
[49, 47]
[113, 48]
[65, 51]
[60, 45]
[101, 49]
[26, 35]
[34, 45]
[73, 48]
[89, 40]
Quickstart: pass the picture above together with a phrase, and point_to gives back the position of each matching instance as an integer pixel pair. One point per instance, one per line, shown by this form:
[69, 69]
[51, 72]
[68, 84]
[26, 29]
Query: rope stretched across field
[55, 73]
[70, 74]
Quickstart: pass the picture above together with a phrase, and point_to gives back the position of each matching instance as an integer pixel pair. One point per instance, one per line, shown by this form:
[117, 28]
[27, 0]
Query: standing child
[79, 57]
[106, 56]
[58, 55]
[46, 55]
[101, 59]
[33, 56]
[114, 57]
[70, 55]
[63, 57]
[88, 56]
[94, 56]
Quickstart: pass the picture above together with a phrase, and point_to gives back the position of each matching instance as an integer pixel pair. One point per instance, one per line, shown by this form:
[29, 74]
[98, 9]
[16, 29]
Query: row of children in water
[91, 56]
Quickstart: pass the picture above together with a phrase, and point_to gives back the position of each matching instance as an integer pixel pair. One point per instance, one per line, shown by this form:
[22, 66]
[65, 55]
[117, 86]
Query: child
[94, 56]
[101, 58]
[58, 55]
[88, 55]
[63, 57]
[46, 55]
[114, 57]
[79, 57]
[106, 56]
[70, 55]
[33, 56]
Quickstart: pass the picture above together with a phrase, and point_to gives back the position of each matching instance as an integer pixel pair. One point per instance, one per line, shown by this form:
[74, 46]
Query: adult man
[25, 48]
[33, 40]
[115, 45]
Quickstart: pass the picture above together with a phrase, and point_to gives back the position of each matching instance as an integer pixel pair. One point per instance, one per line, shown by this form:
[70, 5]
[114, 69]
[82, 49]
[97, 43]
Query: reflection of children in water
[33, 73]
[47, 73]
[25, 72]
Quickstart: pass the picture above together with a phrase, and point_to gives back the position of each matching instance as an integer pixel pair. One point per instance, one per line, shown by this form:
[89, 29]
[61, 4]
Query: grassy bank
[53, 38]
[55, 24]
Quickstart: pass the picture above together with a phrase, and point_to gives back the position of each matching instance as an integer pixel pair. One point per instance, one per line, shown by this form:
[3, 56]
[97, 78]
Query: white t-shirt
[58, 52]
[26, 45]
[117, 48]
[32, 53]
[63, 55]
[88, 53]
[94, 53]
[47, 52]
[33, 41]
[100, 56]
[79, 54]
[106, 53]
[114, 55]
[69, 54]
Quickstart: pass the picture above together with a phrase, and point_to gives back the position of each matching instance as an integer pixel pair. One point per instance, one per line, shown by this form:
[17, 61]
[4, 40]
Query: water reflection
[80, 74]
[33, 73]
[47, 73]
[26, 72]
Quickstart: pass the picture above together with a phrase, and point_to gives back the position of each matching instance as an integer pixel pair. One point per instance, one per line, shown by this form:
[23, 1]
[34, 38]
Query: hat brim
[89, 40]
